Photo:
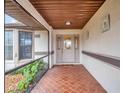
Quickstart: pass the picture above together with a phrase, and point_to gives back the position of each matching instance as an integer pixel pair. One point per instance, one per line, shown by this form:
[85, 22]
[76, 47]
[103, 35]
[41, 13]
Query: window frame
[11, 30]
[25, 59]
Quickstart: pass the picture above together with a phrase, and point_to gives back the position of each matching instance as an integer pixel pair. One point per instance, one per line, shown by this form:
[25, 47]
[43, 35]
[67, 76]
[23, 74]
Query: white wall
[41, 43]
[107, 43]
[63, 31]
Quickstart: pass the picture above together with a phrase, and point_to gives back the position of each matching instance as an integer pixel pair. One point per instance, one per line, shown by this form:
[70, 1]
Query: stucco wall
[41, 43]
[107, 43]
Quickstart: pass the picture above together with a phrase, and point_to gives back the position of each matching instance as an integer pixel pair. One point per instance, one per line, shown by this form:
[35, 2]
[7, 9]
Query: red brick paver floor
[68, 79]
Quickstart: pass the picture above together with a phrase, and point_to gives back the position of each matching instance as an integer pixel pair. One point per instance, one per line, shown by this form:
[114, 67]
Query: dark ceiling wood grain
[57, 12]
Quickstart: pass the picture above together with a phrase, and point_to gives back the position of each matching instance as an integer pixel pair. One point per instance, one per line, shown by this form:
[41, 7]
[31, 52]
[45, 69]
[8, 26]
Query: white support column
[51, 47]
[16, 46]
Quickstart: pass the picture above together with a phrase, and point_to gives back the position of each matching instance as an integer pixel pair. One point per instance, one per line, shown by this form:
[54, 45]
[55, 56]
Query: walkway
[68, 79]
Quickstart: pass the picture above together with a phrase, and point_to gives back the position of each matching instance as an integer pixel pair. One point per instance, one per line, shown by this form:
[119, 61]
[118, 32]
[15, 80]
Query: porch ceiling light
[67, 23]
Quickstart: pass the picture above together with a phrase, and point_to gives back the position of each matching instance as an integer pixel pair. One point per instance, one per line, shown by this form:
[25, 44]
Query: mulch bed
[11, 82]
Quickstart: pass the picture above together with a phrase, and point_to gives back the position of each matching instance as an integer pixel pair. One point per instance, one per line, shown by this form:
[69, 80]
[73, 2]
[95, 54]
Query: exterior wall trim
[115, 61]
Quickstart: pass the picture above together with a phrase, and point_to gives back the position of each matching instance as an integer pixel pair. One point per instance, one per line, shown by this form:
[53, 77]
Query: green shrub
[29, 72]
[11, 91]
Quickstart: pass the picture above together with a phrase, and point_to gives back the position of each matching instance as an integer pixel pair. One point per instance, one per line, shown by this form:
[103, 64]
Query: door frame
[57, 63]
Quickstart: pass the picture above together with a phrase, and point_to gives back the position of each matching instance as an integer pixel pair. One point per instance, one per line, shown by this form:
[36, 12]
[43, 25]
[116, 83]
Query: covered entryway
[67, 37]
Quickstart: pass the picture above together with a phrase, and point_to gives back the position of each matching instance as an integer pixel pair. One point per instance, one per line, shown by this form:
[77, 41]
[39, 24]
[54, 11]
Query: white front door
[67, 51]
[68, 48]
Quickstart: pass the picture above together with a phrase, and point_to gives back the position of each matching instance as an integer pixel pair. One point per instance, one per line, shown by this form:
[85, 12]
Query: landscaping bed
[23, 79]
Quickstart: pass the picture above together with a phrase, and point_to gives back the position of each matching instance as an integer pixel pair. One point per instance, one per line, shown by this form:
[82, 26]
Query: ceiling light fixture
[68, 23]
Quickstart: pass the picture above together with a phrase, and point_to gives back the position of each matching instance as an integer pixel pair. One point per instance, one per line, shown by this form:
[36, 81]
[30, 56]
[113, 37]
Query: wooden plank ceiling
[16, 11]
[57, 12]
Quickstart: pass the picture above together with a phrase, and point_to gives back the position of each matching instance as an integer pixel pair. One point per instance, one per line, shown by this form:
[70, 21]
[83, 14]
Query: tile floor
[68, 79]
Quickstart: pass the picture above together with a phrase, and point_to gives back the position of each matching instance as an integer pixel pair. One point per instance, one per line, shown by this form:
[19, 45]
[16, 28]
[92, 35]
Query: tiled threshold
[68, 79]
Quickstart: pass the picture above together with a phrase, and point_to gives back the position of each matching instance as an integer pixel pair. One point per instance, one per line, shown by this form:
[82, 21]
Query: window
[58, 43]
[8, 45]
[67, 42]
[25, 45]
[76, 42]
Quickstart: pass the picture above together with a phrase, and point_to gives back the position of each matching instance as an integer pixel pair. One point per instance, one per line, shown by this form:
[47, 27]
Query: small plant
[22, 85]
[29, 72]
[11, 91]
